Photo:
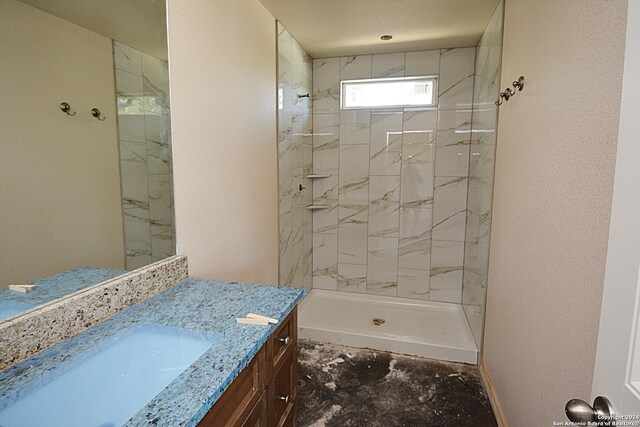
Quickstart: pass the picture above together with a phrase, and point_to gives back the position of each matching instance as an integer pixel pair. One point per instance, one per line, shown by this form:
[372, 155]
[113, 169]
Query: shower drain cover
[377, 321]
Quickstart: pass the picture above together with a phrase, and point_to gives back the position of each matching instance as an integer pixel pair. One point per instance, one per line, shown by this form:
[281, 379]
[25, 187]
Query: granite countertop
[194, 304]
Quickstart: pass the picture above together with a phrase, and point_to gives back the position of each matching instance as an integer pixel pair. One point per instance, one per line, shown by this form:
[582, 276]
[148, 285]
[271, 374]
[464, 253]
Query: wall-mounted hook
[518, 85]
[97, 114]
[66, 108]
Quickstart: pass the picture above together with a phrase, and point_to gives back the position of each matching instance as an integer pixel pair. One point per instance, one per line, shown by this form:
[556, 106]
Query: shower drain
[377, 321]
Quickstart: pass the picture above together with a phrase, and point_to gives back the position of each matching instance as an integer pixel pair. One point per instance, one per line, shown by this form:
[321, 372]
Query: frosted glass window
[389, 92]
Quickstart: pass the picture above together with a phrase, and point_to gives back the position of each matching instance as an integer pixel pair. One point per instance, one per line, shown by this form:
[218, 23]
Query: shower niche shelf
[316, 207]
[318, 175]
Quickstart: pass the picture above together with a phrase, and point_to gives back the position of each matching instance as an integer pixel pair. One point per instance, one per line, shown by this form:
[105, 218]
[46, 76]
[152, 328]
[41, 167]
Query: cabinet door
[240, 398]
[282, 390]
[259, 417]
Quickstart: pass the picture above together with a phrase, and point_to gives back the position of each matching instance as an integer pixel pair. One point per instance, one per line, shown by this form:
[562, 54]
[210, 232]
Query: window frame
[433, 78]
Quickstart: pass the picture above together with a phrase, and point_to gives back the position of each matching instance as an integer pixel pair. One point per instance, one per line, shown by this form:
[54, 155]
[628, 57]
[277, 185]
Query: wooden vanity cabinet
[264, 393]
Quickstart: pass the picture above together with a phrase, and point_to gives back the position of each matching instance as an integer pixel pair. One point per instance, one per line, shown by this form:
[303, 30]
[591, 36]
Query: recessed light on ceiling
[386, 37]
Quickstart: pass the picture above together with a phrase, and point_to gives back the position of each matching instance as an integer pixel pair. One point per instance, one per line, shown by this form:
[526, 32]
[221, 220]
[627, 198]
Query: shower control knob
[300, 187]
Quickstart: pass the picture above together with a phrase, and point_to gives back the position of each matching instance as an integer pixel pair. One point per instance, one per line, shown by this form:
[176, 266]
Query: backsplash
[399, 177]
[23, 336]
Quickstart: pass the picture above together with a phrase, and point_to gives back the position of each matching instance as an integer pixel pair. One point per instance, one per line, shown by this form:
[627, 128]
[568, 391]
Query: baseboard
[493, 398]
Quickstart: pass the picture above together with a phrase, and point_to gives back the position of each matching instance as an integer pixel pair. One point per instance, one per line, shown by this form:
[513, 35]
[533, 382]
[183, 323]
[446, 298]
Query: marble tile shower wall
[294, 161]
[481, 168]
[398, 184]
[144, 126]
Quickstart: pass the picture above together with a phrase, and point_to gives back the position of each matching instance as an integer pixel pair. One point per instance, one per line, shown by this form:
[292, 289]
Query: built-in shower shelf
[318, 175]
[316, 207]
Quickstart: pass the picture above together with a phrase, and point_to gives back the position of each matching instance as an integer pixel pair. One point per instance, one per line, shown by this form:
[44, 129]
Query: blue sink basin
[106, 385]
[9, 308]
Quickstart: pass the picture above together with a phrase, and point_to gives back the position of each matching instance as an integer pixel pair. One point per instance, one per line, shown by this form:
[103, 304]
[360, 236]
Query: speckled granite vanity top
[196, 305]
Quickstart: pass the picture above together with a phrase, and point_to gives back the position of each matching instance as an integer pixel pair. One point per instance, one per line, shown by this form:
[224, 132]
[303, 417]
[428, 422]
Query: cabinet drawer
[282, 390]
[284, 338]
[238, 401]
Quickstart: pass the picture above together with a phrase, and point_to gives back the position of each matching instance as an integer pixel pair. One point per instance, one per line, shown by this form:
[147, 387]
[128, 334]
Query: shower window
[389, 92]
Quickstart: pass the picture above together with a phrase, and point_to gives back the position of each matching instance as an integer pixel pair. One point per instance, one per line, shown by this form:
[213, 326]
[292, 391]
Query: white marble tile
[131, 126]
[326, 220]
[455, 85]
[449, 208]
[160, 203]
[452, 160]
[413, 284]
[352, 243]
[415, 238]
[159, 157]
[153, 75]
[307, 70]
[127, 59]
[355, 126]
[326, 138]
[454, 127]
[133, 172]
[382, 266]
[162, 244]
[297, 139]
[417, 170]
[352, 278]
[284, 85]
[357, 214]
[284, 42]
[422, 63]
[384, 206]
[325, 192]
[446, 271]
[137, 238]
[415, 253]
[354, 175]
[453, 140]
[387, 65]
[386, 143]
[415, 223]
[307, 144]
[307, 262]
[326, 85]
[355, 67]
[325, 261]
[421, 120]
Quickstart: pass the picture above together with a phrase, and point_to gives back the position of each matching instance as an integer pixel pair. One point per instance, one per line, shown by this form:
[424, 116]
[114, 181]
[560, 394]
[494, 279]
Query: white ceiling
[328, 28]
[141, 24]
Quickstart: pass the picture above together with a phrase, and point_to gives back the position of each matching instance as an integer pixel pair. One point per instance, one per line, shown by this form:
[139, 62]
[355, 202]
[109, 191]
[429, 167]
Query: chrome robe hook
[66, 108]
[97, 114]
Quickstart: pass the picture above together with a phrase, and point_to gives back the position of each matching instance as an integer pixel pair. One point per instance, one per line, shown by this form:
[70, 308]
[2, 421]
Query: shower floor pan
[421, 328]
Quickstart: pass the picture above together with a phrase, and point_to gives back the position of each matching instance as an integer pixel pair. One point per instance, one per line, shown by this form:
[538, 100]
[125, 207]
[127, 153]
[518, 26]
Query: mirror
[85, 146]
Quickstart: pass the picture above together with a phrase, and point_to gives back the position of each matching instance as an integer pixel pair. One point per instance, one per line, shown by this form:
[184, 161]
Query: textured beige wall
[60, 202]
[222, 66]
[553, 184]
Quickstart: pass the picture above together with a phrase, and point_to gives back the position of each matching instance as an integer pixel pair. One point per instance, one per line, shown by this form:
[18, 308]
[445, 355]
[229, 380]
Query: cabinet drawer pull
[284, 341]
[285, 399]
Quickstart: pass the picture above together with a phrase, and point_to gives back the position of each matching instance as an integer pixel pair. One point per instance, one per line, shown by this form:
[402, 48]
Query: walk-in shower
[385, 210]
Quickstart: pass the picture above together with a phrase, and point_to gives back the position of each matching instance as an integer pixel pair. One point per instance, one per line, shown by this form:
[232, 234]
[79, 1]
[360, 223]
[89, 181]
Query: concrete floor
[340, 387]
